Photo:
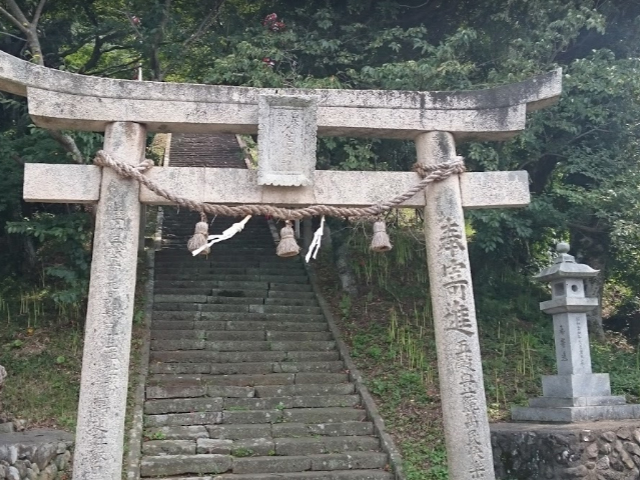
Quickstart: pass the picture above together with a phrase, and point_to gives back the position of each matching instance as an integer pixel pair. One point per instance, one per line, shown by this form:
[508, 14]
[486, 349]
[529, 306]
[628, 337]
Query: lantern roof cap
[565, 266]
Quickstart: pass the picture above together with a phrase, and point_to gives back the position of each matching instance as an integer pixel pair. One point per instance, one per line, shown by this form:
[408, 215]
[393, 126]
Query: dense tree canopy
[582, 155]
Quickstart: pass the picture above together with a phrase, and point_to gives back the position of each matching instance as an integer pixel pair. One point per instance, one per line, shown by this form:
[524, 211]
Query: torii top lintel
[63, 100]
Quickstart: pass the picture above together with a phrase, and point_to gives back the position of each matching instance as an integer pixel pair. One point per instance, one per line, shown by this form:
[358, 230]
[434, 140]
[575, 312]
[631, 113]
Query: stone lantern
[575, 394]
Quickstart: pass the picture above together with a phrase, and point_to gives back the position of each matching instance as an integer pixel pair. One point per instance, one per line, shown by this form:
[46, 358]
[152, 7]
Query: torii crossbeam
[126, 110]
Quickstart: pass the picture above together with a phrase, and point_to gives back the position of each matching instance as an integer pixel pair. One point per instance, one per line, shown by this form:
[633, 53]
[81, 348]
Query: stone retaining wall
[35, 455]
[590, 451]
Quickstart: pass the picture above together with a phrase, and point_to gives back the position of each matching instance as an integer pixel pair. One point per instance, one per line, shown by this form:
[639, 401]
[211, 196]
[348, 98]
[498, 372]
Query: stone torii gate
[287, 121]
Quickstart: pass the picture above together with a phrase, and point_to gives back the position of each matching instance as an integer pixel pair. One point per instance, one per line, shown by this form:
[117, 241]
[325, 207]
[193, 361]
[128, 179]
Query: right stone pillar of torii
[575, 394]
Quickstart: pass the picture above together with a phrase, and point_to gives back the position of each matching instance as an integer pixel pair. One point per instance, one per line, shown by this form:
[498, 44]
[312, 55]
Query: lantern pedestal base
[576, 385]
[575, 398]
[559, 402]
[575, 414]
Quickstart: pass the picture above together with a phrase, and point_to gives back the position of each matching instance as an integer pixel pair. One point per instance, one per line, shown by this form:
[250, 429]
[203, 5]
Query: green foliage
[63, 257]
[416, 453]
[242, 452]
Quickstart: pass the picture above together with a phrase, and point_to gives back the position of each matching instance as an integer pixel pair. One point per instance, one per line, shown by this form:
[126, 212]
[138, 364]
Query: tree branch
[205, 24]
[30, 29]
[68, 144]
[36, 16]
[14, 20]
[13, 36]
[117, 68]
[96, 53]
[584, 228]
[87, 68]
[15, 9]
[157, 40]
[588, 132]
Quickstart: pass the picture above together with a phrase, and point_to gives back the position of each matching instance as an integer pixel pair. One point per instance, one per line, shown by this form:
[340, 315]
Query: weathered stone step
[262, 446]
[245, 261]
[290, 294]
[214, 278]
[292, 402]
[334, 461]
[179, 286]
[239, 316]
[289, 287]
[235, 308]
[321, 475]
[245, 367]
[239, 300]
[275, 326]
[279, 430]
[239, 249]
[262, 391]
[218, 284]
[298, 430]
[223, 334]
[196, 289]
[291, 302]
[313, 446]
[243, 416]
[154, 466]
[297, 415]
[242, 345]
[244, 270]
[201, 356]
[265, 430]
[216, 326]
[183, 419]
[214, 335]
[358, 474]
[275, 335]
[285, 309]
[182, 389]
[184, 464]
[248, 379]
[183, 405]
[261, 290]
[192, 290]
[199, 307]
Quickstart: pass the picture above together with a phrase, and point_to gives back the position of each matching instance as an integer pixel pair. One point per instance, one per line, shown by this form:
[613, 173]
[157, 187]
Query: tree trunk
[592, 252]
[340, 249]
[594, 287]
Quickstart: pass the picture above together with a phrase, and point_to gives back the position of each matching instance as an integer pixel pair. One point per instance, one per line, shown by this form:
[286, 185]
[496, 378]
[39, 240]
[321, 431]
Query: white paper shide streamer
[226, 235]
[316, 242]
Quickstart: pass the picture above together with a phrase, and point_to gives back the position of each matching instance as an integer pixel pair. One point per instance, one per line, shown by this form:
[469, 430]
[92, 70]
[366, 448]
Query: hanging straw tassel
[287, 246]
[380, 241]
[226, 235]
[200, 236]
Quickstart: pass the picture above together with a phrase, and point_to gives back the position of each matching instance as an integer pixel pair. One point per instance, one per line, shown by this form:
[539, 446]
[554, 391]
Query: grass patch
[44, 374]
[44, 362]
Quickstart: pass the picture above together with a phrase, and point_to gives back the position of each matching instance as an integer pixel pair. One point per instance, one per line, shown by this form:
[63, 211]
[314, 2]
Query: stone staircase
[245, 378]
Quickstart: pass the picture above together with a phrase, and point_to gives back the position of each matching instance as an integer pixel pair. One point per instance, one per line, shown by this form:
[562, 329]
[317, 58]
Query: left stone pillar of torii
[105, 366]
